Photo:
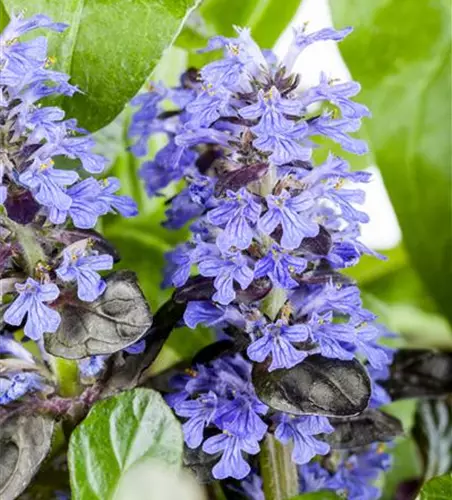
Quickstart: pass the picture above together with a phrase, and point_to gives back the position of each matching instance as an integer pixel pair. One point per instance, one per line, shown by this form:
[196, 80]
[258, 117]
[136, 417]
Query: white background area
[383, 231]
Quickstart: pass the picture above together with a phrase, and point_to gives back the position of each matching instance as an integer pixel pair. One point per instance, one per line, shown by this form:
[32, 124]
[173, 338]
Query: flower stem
[66, 373]
[279, 473]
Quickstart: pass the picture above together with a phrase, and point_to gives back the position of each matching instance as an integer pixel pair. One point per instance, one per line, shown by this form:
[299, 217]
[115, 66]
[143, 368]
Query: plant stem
[278, 472]
[66, 372]
[215, 491]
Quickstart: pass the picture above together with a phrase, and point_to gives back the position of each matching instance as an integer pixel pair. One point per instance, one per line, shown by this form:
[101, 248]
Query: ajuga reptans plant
[298, 359]
[297, 354]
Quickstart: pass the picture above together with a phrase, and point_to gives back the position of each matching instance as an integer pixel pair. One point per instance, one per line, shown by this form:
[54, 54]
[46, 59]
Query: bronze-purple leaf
[318, 245]
[241, 177]
[420, 373]
[116, 320]
[368, 427]
[196, 288]
[25, 442]
[317, 386]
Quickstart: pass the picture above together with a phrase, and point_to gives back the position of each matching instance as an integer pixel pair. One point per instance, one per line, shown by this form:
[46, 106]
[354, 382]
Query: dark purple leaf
[201, 288]
[71, 236]
[25, 442]
[258, 289]
[196, 288]
[21, 206]
[241, 177]
[408, 490]
[117, 319]
[318, 245]
[317, 386]
[420, 373]
[320, 276]
[368, 427]
[128, 375]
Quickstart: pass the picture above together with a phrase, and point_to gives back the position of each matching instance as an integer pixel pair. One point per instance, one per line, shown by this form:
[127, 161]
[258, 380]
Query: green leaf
[117, 434]
[404, 410]
[4, 18]
[318, 495]
[266, 18]
[406, 465]
[401, 56]
[438, 488]
[370, 269]
[109, 49]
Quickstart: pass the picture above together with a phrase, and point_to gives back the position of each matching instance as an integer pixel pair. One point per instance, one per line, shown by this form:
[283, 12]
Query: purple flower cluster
[220, 396]
[54, 208]
[271, 231]
[353, 476]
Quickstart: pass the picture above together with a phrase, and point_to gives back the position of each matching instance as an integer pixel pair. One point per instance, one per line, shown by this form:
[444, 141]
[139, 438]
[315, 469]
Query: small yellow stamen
[8, 43]
[50, 61]
[208, 88]
[234, 49]
[381, 448]
[42, 269]
[286, 311]
[268, 95]
[191, 372]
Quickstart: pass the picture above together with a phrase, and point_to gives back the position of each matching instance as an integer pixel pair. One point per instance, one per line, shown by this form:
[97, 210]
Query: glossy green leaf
[109, 49]
[266, 18]
[438, 488]
[401, 54]
[119, 433]
[4, 18]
